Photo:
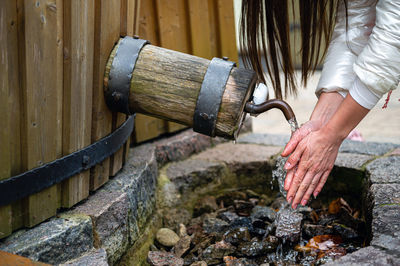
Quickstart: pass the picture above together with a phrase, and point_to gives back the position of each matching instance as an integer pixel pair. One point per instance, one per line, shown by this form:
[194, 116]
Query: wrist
[326, 107]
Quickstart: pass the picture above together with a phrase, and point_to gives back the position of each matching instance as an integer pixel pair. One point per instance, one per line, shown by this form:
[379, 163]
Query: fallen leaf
[324, 242]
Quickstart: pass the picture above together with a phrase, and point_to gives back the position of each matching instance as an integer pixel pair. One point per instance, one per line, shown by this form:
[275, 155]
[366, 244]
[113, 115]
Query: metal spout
[274, 103]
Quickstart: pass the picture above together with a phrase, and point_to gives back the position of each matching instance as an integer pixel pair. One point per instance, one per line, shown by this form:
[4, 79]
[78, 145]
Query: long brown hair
[264, 31]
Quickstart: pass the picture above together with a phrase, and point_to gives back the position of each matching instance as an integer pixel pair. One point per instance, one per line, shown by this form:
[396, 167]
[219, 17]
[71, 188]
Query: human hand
[298, 135]
[314, 158]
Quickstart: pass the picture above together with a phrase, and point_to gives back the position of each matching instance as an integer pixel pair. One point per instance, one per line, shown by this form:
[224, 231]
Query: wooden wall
[53, 55]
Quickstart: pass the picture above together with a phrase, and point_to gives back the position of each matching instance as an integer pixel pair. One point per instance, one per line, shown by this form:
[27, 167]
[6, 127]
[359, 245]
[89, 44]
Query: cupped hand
[314, 158]
[298, 135]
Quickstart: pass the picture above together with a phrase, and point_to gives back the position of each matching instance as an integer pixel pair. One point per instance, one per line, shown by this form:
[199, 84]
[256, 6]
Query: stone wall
[104, 227]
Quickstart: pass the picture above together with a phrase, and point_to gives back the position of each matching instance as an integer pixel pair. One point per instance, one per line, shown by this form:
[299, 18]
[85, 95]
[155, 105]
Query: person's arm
[316, 153]
[327, 104]
[348, 39]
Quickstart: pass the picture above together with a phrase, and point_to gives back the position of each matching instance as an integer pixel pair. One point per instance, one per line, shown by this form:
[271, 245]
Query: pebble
[167, 237]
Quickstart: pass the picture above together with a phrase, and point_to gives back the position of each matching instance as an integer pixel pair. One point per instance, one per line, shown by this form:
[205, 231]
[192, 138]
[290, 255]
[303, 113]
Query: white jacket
[365, 60]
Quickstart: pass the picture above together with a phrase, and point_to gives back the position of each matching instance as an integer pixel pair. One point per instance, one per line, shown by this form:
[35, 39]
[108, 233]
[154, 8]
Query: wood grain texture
[10, 146]
[147, 127]
[77, 98]
[42, 98]
[166, 84]
[107, 30]
[175, 32]
[226, 30]
[204, 28]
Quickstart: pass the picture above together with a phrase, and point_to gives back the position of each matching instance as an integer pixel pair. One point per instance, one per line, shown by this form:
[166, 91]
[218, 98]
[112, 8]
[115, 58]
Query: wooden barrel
[166, 84]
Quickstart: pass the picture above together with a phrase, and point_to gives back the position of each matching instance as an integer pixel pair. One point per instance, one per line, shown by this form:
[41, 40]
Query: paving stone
[120, 209]
[385, 193]
[386, 219]
[56, 241]
[109, 212]
[352, 160]
[369, 148]
[182, 145]
[238, 155]
[395, 152]
[96, 257]
[384, 170]
[367, 256]
[390, 243]
[190, 174]
[264, 139]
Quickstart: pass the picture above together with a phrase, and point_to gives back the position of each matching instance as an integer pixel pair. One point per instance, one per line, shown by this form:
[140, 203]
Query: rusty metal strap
[35, 180]
[210, 96]
[117, 93]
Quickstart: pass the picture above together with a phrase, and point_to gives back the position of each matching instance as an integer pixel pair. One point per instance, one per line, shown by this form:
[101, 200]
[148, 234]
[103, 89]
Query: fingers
[296, 181]
[321, 183]
[289, 178]
[310, 190]
[303, 188]
[294, 158]
[294, 141]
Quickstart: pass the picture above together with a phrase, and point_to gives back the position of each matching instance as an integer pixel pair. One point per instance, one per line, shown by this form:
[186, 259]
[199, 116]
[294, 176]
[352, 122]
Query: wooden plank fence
[53, 56]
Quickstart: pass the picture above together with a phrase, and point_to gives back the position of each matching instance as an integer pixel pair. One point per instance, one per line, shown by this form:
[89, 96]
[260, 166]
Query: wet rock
[161, 258]
[206, 204]
[237, 236]
[243, 208]
[182, 246]
[311, 230]
[167, 237]
[288, 225]
[263, 213]
[266, 200]
[199, 263]
[279, 203]
[215, 253]
[327, 219]
[345, 232]
[259, 224]
[215, 225]
[242, 222]
[255, 248]
[228, 216]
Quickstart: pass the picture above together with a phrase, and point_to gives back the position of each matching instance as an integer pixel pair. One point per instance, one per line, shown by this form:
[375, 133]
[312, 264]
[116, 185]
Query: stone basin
[116, 225]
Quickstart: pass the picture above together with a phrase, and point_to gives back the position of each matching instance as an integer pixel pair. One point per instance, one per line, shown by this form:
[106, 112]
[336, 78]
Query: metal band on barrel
[35, 180]
[210, 96]
[117, 93]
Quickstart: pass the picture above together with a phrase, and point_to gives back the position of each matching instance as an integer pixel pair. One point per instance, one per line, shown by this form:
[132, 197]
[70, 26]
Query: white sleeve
[337, 73]
[378, 65]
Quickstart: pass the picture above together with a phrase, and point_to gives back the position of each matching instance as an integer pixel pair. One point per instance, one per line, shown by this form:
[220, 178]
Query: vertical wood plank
[10, 160]
[203, 24]
[147, 127]
[78, 82]
[107, 31]
[175, 32]
[226, 29]
[42, 98]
